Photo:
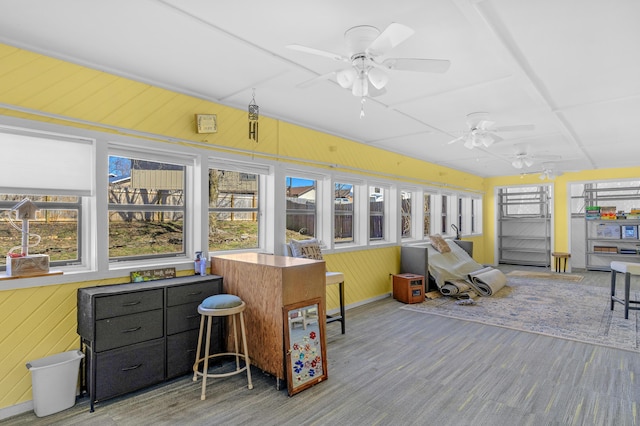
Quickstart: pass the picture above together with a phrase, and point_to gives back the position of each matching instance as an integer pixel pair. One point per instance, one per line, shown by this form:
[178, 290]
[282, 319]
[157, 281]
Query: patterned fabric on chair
[309, 249]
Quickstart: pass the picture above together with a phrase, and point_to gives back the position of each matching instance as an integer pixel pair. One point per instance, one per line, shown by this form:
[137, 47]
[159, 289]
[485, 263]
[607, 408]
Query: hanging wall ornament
[254, 114]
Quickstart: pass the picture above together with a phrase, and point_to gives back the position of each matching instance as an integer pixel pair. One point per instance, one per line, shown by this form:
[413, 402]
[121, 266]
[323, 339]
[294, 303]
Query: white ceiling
[569, 67]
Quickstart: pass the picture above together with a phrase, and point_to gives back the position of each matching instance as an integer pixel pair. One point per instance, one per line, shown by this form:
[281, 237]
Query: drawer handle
[131, 330]
[190, 351]
[137, 302]
[192, 316]
[133, 367]
[195, 293]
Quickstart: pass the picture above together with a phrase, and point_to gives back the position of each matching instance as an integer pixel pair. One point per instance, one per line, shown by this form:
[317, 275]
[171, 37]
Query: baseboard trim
[14, 410]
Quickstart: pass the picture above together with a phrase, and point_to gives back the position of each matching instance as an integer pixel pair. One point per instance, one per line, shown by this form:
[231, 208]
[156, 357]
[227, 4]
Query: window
[233, 210]
[405, 214]
[301, 207]
[444, 215]
[146, 208]
[621, 194]
[57, 223]
[532, 201]
[343, 219]
[476, 216]
[376, 213]
[427, 215]
[461, 213]
[57, 181]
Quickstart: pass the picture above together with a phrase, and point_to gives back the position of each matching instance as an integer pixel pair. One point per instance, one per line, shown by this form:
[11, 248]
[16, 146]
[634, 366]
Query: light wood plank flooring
[396, 367]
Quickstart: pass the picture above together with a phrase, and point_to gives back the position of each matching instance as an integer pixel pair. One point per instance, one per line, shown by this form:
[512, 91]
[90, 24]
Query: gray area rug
[554, 308]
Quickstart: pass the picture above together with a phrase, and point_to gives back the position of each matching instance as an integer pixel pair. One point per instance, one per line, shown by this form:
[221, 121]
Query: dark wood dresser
[139, 334]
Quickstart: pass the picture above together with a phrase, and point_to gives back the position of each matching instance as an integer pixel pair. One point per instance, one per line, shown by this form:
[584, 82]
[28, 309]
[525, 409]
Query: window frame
[238, 167]
[79, 206]
[320, 233]
[384, 190]
[158, 156]
[354, 212]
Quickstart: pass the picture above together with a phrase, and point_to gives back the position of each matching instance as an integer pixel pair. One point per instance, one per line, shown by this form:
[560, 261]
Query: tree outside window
[146, 208]
[405, 213]
[233, 210]
[427, 215]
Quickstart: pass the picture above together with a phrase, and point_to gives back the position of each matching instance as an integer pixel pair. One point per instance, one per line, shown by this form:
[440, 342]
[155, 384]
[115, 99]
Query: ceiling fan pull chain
[362, 107]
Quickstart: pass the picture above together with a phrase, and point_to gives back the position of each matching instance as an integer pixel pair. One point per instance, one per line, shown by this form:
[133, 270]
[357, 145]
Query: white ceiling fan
[523, 159]
[548, 172]
[482, 131]
[366, 48]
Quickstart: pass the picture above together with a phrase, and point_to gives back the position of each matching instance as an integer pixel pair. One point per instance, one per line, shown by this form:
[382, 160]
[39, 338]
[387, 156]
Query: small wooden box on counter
[408, 288]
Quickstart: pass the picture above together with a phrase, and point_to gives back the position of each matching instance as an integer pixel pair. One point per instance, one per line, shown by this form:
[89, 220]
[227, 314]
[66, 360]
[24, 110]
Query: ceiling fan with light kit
[525, 160]
[482, 133]
[367, 48]
[548, 171]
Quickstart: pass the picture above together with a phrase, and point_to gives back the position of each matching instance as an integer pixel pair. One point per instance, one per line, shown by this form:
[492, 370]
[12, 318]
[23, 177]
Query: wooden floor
[396, 367]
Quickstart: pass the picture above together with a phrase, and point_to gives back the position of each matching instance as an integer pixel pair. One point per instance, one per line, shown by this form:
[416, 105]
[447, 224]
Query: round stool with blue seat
[221, 305]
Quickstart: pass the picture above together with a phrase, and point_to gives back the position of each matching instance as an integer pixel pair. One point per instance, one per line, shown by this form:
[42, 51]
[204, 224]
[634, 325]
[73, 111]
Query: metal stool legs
[204, 358]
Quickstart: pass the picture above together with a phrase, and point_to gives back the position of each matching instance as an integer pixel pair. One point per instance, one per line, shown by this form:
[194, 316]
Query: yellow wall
[41, 321]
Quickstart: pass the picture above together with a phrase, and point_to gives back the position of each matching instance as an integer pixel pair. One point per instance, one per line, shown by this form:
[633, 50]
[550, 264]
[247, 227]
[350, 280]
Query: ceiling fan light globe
[378, 78]
[487, 141]
[345, 78]
[477, 140]
[468, 143]
[517, 163]
[360, 87]
[528, 162]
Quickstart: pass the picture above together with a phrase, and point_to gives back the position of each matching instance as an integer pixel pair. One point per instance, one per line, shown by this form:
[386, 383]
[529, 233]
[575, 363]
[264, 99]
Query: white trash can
[54, 382]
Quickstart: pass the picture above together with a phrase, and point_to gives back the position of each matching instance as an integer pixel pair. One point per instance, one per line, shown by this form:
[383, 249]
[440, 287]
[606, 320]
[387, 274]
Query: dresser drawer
[128, 329]
[128, 303]
[183, 318]
[181, 350]
[127, 369]
[181, 353]
[196, 292]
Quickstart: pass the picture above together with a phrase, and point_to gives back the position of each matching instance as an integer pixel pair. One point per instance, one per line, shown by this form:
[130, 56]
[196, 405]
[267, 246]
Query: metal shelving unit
[609, 233]
[524, 226]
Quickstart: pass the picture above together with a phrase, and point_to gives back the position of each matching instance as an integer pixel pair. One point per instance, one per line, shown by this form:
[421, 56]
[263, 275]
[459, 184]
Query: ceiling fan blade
[456, 140]
[392, 36]
[484, 125]
[519, 127]
[346, 77]
[489, 139]
[474, 118]
[314, 80]
[311, 50]
[417, 64]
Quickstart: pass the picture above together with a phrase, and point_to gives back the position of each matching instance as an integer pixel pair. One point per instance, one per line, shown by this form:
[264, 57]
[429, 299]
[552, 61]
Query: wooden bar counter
[267, 283]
